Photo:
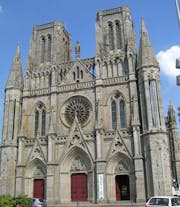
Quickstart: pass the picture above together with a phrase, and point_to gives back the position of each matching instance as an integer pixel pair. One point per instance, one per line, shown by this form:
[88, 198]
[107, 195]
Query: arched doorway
[35, 179]
[119, 182]
[76, 177]
[79, 190]
[122, 187]
[39, 182]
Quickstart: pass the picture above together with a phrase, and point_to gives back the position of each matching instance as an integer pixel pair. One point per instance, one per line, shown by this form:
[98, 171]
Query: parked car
[163, 201]
[38, 202]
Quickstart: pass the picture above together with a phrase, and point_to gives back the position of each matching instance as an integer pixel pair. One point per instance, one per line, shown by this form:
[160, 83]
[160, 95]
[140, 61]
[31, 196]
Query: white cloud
[1, 9]
[167, 61]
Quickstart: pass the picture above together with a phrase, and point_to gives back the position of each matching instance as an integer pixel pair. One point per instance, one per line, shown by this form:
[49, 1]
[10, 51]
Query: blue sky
[18, 17]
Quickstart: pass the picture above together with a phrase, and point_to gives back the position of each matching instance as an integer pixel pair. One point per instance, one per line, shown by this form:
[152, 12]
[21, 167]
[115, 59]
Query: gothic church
[88, 130]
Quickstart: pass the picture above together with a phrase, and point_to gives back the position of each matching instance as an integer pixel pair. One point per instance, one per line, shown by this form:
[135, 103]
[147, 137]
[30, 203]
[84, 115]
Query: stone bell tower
[44, 41]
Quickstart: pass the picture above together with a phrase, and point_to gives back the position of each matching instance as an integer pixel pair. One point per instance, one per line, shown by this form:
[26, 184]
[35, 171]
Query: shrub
[7, 201]
[23, 201]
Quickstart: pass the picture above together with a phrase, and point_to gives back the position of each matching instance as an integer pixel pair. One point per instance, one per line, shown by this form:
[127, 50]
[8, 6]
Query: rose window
[79, 107]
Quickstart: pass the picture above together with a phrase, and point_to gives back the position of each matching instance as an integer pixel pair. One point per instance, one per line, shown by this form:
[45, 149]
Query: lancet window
[111, 36]
[114, 118]
[40, 120]
[118, 111]
[118, 35]
[77, 74]
[46, 48]
[122, 114]
[49, 48]
[42, 49]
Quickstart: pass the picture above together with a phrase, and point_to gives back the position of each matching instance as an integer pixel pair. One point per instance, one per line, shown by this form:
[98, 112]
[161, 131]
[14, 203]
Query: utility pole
[178, 12]
[178, 59]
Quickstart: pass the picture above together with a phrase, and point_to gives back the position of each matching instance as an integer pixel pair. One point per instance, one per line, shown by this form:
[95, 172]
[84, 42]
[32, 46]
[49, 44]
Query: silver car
[161, 201]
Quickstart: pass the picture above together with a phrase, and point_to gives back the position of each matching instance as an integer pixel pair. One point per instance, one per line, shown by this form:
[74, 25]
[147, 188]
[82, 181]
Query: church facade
[88, 130]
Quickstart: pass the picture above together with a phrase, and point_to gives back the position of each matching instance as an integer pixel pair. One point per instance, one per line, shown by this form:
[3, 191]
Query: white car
[158, 201]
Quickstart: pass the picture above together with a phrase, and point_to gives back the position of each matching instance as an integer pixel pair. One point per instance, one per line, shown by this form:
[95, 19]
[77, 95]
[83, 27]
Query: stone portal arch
[75, 163]
[119, 177]
[35, 175]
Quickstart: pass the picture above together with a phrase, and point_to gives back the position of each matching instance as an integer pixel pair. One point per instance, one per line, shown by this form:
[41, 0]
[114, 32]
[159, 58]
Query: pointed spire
[15, 79]
[146, 53]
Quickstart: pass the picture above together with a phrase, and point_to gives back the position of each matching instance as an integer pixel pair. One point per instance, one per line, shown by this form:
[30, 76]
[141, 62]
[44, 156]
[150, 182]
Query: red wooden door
[38, 191]
[79, 187]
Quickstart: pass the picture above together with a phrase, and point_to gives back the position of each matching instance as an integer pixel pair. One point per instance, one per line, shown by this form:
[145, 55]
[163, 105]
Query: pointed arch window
[74, 76]
[40, 120]
[61, 75]
[42, 49]
[111, 36]
[81, 74]
[144, 106]
[36, 122]
[125, 69]
[49, 45]
[114, 118]
[77, 72]
[118, 111]
[118, 35]
[50, 79]
[122, 114]
[43, 126]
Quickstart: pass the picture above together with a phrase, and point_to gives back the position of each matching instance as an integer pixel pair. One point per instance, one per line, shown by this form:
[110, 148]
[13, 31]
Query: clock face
[77, 106]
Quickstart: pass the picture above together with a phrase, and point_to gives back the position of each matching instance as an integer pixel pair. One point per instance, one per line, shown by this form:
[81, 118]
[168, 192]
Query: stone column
[50, 179]
[50, 149]
[138, 163]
